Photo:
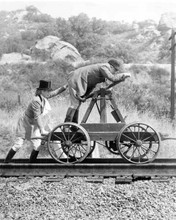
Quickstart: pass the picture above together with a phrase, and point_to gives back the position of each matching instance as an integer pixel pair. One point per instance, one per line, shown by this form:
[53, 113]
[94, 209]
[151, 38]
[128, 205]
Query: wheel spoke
[81, 150]
[139, 157]
[134, 149]
[74, 133]
[145, 140]
[138, 134]
[153, 152]
[72, 150]
[68, 133]
[63, 134]
[128, 148]
[151, 135]
[82, 146]
[55, 135]
[62, 153]
[78, 149]
[143, 147]
[60, 148]
[76, 139]
[128, 137]
[140, 130]
[145, 131]
[74, 144]
[145, 156]
[133, 134]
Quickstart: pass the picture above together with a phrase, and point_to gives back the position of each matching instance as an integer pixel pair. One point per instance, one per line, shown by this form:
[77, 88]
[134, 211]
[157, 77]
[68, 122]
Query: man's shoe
[33, 156]
[9, 156]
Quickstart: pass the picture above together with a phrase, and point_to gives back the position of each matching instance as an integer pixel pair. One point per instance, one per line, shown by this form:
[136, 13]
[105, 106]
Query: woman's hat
[44, 85]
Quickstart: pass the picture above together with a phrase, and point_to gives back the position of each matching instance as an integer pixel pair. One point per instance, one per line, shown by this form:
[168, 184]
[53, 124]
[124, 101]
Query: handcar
[137, 142]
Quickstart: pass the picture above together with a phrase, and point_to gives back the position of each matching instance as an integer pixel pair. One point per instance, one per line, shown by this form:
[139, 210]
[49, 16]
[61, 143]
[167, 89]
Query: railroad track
[94, 169]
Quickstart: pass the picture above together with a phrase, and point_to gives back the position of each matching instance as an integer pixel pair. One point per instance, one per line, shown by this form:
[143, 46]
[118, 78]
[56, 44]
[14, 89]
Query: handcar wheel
[92, 147]
[138, 143]
[69, 143]
[112, 147]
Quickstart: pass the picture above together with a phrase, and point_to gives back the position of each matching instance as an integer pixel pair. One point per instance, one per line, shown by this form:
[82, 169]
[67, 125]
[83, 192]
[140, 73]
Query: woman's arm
[57, 91]
[40, 125]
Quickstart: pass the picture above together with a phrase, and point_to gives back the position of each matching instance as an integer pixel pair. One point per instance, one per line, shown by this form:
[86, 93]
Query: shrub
[9, 101]
[147, 91]
[13, 44]
[159, 75]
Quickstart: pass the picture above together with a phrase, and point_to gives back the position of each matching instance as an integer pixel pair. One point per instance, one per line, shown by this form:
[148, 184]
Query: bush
[151, 94]
[13, 44]
[111, 47]
[9, 101]
[159, 75]
[28, 35]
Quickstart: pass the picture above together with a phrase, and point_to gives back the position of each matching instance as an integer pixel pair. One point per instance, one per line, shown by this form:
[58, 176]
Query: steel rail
[90, 167]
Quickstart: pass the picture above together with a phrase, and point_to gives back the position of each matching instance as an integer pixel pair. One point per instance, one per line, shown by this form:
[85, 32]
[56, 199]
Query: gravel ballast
[77, 199]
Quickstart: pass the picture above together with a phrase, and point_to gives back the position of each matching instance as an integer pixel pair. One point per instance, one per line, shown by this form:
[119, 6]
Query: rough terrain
[77, 199]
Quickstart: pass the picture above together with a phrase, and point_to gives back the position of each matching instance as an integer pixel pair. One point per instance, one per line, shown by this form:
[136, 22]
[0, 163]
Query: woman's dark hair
[38, 92]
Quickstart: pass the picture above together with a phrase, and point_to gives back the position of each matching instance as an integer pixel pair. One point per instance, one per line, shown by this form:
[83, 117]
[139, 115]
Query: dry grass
[167, 149]
[57, 116]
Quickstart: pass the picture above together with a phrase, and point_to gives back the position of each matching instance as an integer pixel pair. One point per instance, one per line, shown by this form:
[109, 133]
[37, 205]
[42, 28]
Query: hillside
[35, 46]
[140, 42]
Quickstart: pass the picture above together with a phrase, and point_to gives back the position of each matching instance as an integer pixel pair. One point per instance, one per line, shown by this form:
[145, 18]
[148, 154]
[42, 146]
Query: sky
[110, 10]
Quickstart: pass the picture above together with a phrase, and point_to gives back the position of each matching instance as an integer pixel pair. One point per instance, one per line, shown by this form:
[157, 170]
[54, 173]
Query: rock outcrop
[12, 58]
[57, 49]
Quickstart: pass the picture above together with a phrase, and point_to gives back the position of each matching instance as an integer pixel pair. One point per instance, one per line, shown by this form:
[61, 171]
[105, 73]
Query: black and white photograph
[87, 110]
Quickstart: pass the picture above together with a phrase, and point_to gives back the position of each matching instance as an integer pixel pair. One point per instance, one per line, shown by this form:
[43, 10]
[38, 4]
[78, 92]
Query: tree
[13, 44]
[117, 27]
[164, 50]
[46, 29]
[32, 9]
[89, 44]
[80, 24]
[99, 26]
[111, 47]
[65, 31]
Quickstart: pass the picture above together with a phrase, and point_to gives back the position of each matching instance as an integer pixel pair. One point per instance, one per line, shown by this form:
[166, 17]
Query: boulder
[58, 50]
[46, 43]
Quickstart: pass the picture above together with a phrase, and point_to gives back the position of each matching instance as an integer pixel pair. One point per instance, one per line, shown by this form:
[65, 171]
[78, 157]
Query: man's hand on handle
[123, 77]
